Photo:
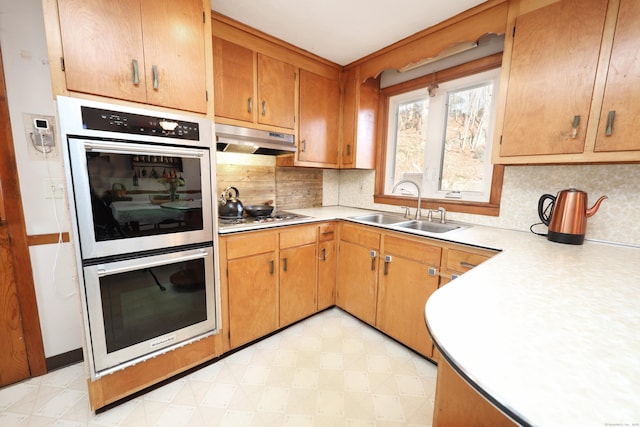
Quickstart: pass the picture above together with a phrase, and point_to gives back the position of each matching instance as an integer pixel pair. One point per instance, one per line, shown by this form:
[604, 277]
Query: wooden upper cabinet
[359, 121]
[319, 119]
[276, 92]
[620, 115]
[233, 81]
[252, 88]
[147, 51]
[102, 43]
[551, 79]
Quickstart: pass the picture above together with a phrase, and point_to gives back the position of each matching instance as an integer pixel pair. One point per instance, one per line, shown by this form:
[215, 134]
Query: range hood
[236, 139]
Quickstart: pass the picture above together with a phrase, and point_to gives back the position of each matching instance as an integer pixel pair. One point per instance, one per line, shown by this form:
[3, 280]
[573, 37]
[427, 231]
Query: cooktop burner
[275, 217]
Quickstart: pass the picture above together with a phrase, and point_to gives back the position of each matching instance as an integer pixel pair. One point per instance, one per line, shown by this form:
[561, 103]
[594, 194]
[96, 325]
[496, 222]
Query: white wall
[26, 68]
[617, 220]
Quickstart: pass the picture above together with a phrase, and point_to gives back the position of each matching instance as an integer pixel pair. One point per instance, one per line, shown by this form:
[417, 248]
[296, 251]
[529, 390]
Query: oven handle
[102, 271]
[118, 148]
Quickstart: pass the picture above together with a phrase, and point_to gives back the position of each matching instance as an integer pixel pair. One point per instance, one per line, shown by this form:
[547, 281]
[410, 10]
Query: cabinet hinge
[204, 17]
[514, 31]
[206, 95]
[62, 63]
[500, 139]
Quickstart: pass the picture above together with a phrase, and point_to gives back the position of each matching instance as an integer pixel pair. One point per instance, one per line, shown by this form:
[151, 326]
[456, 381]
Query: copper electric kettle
[567, 220]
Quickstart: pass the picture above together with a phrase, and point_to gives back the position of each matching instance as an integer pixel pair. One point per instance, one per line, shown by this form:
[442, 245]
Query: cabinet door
[276, 92]
[622, 92]
[298, 283]
[319, 113]
[357, 281]
[233, 80]
[101, 42]
[253, 297]
[174, 53]
[405, 286]
[552, 76]
[360, 115]
[327, 263]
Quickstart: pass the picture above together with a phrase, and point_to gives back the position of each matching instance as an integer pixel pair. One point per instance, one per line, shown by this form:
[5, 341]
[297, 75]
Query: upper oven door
[133, 197]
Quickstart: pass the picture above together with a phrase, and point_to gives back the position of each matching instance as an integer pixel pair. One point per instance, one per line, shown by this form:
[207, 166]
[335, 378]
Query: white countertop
[550, 331]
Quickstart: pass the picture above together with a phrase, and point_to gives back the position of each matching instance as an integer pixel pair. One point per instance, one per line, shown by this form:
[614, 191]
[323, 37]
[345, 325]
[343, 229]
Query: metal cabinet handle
[250, 105]
[575, 126]
[348, 149]
[467, 264]
[136, 72]
[303, 144]
[387, 261]
[264, 108]
[610, 118]
[154, 70]
[284, 264]
[272, 267]
[373, 255]
[324, 254]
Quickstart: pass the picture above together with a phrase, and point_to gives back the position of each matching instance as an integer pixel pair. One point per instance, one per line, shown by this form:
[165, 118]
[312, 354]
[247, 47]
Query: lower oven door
[141, 307]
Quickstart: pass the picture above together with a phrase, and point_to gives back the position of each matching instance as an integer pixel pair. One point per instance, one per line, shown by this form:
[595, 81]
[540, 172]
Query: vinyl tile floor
[329, 370]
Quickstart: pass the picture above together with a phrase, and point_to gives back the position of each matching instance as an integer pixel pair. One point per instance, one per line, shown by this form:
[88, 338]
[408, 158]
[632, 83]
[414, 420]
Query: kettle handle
[545, 216]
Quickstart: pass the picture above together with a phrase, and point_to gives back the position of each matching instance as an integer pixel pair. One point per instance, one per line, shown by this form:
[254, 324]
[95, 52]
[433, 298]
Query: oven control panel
[137, 124]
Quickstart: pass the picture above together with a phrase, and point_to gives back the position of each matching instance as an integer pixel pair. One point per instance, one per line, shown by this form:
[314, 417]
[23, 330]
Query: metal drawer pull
[467, 264]
[387, 260]
[154, 70]
[136, 74]
[575, 125]
[303, 144]
[373, 255]
[324, 254]
[271, 267]
[284, 267]
[610, 118]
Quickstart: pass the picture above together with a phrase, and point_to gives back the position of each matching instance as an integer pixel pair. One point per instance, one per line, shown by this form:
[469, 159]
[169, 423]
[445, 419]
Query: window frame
[490, 208]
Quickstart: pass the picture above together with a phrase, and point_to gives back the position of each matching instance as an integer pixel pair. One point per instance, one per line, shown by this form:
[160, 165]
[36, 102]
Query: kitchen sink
[428, 226]
[379, 218]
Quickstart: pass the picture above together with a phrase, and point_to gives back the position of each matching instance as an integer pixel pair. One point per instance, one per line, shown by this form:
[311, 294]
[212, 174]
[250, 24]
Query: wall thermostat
[41, 125]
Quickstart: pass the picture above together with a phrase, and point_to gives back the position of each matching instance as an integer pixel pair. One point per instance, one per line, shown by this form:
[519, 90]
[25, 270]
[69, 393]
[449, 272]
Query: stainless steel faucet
[406, 181]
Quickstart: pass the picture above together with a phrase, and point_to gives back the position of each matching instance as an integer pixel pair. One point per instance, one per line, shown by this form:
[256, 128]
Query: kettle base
[571, 239]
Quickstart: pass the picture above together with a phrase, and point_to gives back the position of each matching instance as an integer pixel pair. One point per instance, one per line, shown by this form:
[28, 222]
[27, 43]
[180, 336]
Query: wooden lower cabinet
[357, 278]
[327, 265]
[252, 281]
[271, 277]
[457, 403]
[457, 261]
[298, 273]
[408, 277]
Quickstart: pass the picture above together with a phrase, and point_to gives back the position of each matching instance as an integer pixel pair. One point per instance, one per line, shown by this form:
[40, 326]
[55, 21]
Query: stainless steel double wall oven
[140, 185]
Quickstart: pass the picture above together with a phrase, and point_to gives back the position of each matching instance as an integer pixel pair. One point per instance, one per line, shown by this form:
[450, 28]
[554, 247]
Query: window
[440, 136]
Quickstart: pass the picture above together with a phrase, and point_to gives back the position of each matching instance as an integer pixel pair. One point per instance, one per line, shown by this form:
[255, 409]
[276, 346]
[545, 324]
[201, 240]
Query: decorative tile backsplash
[617, 220]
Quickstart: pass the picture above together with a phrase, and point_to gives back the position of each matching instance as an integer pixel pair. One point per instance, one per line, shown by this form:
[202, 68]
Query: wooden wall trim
[17, 232]
[488, 18]
[47, 239]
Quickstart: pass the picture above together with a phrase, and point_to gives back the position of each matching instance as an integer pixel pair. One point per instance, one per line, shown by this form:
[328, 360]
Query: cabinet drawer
[327, 232]
[462, 261]
[251, 244]
[360, 236]
[417, 251]
[297, 236]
